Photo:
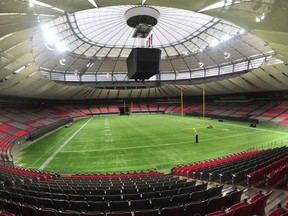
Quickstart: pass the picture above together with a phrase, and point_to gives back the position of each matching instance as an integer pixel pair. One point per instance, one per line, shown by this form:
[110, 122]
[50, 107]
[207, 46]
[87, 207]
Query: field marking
[111, 140]
[62, 146]
[159, 145]
[107, 132]
[60, 140]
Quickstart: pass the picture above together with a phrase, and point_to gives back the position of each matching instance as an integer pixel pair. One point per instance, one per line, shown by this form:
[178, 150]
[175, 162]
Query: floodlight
[61, 47]
[214, 43]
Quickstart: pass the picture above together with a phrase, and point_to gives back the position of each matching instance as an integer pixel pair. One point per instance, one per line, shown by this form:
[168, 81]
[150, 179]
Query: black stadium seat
[216, 203]
[169, 192]
[77, 197]
[94, 197]
[129, 191]
[101, 206]
[147, 212]
[215, 191]
[199, 195]
[194, 208]
[31, 200]
[149, 195]
[94, 213]
[113, 197]
[180, 199]
[13, 207]
[79, 205]
[47, 212]
[140, 204]
[61, 204]
[119, 206]
[68, 213]
[28, 210]
[45, 203]
[120, 213]
[172, 211]
[131, 196]
[161, 202]
[234, 197]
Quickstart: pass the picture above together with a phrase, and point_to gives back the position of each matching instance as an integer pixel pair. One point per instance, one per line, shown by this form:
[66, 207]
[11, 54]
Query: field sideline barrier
[269, 145]
[274, 124]
[230, 118]
[42, 131]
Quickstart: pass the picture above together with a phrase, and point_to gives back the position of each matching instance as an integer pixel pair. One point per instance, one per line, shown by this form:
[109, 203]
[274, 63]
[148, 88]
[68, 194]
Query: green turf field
[141, 142]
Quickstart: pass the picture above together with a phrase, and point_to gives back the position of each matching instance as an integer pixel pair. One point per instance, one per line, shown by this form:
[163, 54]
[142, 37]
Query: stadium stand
[94, 110]
[143, 107]
[25, 202]
[103, 109]
[17, 172]
[113, 109]
[106, 193]
[132, 193]
[234, 168]
[153, 107]
[191, 170]
[163, 107]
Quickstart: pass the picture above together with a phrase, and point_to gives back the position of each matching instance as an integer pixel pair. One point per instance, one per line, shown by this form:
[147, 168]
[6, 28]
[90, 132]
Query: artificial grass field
[141, 142]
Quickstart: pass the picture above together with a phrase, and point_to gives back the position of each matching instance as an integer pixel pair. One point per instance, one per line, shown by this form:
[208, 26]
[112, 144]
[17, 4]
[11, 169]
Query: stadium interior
[64, 61]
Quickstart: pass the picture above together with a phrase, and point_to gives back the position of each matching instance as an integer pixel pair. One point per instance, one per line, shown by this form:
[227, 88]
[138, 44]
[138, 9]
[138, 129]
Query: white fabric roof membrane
[97, 42]
[234, 41]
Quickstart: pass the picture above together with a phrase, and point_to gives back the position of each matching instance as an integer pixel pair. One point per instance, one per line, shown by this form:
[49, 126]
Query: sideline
[62, 146]
[235, 125]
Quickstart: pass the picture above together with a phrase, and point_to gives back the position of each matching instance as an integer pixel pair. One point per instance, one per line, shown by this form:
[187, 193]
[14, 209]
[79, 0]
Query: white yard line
[107, 130]
[57, 143]
[62, 146]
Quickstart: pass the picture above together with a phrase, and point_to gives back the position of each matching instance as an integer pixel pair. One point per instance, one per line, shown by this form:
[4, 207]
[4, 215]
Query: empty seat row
[181, 187]
[64, 202]
[125, 186]
[194, 193]
[25, 172]
[115, 176]
[127, 178]
[162, 207]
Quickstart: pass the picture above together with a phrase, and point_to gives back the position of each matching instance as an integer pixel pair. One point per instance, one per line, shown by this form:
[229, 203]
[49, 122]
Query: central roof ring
[142, 19]
[142, 15]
